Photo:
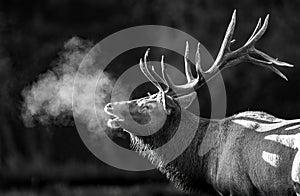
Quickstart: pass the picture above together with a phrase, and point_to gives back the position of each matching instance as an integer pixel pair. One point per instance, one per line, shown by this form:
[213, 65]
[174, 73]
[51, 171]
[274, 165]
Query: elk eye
[149, 107]
[146, 108]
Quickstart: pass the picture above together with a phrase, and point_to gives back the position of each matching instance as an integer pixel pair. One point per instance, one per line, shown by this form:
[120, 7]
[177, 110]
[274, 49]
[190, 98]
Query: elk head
[148, 113]
[151, 112]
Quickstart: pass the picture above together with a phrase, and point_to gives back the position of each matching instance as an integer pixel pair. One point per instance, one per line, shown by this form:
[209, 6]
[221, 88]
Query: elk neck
[174, 149]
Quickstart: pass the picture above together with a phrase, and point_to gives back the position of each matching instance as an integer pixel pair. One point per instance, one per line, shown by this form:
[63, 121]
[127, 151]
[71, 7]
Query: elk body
[251, 153]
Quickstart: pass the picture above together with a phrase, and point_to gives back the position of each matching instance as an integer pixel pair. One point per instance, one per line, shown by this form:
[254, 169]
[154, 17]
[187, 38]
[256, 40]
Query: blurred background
[52, 159]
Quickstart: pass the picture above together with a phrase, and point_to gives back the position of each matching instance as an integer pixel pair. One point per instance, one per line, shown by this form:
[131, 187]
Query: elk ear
[186, 100]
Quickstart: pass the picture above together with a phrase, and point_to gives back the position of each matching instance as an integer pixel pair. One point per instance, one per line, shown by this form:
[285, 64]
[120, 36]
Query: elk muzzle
[111, 109]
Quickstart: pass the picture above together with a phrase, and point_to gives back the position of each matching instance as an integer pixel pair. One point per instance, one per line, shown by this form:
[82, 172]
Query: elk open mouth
[114, 121]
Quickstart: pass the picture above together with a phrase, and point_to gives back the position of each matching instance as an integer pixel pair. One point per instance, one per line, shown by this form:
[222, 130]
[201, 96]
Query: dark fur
[232, 166]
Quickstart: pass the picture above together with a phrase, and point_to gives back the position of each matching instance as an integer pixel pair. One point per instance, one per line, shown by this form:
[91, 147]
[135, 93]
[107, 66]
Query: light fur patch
[291, 141]
[272, 159]
[246, 123]
[296, 168]
[255, 115]
[264, 127]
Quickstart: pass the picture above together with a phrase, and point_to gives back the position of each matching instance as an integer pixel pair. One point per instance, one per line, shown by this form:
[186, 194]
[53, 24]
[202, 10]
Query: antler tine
[225, 47]
[144, 69]
[188, 72]
[265, 64]
[162, 64]
[165, 75]
[257, 35]
[198, 60]
[272, 60]
[258, 25]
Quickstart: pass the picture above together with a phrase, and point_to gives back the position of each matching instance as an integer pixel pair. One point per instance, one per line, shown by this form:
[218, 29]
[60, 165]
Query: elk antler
[225, 58]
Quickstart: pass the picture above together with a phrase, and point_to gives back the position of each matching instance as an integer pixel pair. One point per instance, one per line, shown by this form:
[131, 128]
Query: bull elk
[250, 153]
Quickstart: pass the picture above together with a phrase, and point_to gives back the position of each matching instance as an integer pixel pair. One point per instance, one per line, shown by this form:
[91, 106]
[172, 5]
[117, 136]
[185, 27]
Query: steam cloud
[49, 100]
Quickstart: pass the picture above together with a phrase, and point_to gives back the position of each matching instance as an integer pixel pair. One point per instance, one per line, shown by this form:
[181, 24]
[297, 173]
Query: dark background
[52, 160]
